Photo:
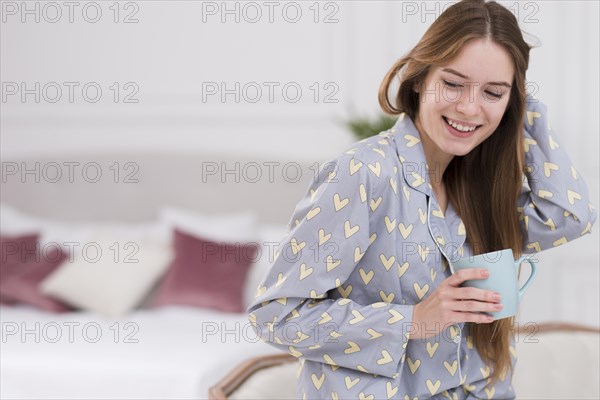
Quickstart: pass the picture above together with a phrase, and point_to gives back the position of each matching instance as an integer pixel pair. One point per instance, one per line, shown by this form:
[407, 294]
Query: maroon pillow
[25, 269]
[14, 252]
[206, 274]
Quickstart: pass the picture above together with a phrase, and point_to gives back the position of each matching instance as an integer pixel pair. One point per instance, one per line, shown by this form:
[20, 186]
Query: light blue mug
[503, 278]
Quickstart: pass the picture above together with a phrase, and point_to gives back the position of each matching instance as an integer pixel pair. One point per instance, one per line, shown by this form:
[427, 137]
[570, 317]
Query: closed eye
[452, 84]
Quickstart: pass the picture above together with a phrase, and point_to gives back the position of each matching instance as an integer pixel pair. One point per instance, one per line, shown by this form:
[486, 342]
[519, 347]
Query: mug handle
[523, 289]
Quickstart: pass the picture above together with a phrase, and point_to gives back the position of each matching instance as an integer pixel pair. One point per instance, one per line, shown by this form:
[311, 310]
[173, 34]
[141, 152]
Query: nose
[468, 103]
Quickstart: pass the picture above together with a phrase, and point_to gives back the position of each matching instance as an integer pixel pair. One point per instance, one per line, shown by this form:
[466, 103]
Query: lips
[459, 129]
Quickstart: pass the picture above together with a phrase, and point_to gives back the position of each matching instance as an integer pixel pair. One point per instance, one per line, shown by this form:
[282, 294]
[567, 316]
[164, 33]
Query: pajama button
[456, 339]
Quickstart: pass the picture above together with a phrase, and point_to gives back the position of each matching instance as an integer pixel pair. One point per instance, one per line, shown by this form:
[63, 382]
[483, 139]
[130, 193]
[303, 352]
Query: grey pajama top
[368, 241]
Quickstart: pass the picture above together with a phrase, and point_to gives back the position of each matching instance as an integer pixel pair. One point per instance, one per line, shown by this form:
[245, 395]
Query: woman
[361, 290]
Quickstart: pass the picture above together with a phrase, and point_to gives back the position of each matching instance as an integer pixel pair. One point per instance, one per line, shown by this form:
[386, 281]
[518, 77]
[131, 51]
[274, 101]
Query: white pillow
[270, 236]
[117, 280]
[238, 227]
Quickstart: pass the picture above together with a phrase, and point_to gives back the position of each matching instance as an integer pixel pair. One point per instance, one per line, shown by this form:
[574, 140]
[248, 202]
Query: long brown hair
[484, 184]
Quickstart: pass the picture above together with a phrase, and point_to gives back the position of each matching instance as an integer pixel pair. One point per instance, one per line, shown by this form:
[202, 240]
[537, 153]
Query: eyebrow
[450, 70]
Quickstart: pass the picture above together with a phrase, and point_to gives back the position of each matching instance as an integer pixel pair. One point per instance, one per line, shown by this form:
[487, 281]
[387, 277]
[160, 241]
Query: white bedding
[180, 352]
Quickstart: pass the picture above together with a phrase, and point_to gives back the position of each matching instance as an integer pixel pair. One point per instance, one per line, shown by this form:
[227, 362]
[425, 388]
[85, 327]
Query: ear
[416, 86]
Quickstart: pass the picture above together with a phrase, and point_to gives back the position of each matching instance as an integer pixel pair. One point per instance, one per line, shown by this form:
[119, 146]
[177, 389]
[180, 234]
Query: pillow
[113, 274]
[239, 227]
[15, 251]
[23, 286]
[206, 274]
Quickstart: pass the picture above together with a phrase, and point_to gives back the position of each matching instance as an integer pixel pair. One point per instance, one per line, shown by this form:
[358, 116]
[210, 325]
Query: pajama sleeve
[554, 206]
[294, 310]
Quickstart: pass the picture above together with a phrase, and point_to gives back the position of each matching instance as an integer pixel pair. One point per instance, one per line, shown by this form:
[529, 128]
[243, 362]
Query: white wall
[170, 52]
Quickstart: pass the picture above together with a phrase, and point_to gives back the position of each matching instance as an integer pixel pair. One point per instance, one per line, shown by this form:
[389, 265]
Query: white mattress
[175, 356]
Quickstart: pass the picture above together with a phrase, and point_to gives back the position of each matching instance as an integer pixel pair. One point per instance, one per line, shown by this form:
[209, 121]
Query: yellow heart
[393, 184]
[352, 349]
[345, 292]
[573, 196]
[402, 269]
[366, 277]
[395, 317]
[560, 241]
[317, 381]
[260, 291]
[485, 372]
[423, 252]
[573, 172]
[553, 144]
[387, 298]
[357, 254]
[490, 393]
[375, 203]
[529, 142]
[325, 317]
[406, 193]
[438, 213]
[411, 140]
[301, 336]
[354, 166]
[296, 247]
[376, 169]
[294, 352]
[312, 213]
[587, 229]
[405, 230]
[374, 334]
[469, 388]
[331, 263]
[295, 314]
[350, 230]
[418, 180]
[387, 262]
[451, 368]
[379, 151]
[391, 390]
[461, 229]
[548, 168]
[338, 203]
[313, 193]
[350, 383]
[390, 225]
[280, 279]
[431, 348]
[323, 237]
[335, 334]
[331, 176]
[544, 193]
[304, 272]
[385, 359]
[358, 317]
[372, 238]
[362, 192]
[550, 224]
[413, 365]
[531, 115]
[422, 216]
[433, 387]
[535, 245]
[433, 274]
[362, 396]
[453, 332]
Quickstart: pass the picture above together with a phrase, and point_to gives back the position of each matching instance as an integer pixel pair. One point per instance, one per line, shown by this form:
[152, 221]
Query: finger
[467, 274]
[478, 318]
[471, 293]
[475, 306]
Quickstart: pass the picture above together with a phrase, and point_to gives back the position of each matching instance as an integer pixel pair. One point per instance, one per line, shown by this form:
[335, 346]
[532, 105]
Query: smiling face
[462, 102]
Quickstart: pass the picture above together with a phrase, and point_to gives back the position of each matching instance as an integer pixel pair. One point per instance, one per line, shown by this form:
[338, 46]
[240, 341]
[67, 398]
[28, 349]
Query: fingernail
[496, 296]
[498, 306]
[485, 272]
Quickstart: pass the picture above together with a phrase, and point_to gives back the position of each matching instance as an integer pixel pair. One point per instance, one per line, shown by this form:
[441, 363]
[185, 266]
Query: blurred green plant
[365, 127]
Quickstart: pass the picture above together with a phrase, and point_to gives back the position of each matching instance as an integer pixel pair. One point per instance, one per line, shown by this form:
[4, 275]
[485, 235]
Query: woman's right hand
[450, 304]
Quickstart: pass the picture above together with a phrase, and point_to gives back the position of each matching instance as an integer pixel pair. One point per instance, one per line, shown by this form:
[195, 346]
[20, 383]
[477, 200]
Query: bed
[167, 352]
